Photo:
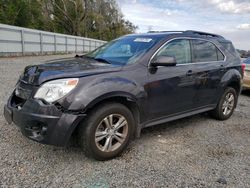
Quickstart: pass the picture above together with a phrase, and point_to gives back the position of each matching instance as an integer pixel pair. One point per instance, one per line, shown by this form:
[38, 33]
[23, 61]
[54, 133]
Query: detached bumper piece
[41, 122]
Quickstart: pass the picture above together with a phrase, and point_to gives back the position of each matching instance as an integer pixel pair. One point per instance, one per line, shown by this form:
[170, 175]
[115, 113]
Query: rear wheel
[107, 131]
[226, 105]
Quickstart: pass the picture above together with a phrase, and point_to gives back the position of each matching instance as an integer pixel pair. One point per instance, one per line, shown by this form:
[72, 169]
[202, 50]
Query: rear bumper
[41, 122]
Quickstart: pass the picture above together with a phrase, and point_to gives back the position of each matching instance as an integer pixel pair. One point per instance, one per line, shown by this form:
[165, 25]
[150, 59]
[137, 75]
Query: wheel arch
[232, 79]
[123, 98]
[235, 85]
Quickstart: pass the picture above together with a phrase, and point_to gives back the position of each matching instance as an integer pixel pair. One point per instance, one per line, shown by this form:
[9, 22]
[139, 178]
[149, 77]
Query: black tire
[218, 112]
[87, 130]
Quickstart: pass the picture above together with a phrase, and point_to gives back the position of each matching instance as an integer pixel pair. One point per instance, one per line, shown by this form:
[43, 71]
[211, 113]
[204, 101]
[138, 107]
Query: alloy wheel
[228, 104]
[111, 132]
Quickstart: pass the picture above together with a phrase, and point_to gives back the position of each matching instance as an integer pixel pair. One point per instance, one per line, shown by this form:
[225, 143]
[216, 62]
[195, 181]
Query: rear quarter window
[230, 48]
[205, 51]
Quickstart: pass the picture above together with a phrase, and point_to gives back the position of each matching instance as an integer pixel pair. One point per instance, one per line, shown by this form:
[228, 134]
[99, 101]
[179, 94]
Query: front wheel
[107, 131]
[226, 105]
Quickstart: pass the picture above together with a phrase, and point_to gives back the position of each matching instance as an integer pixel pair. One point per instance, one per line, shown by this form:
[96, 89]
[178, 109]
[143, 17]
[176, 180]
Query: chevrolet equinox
[107, 96]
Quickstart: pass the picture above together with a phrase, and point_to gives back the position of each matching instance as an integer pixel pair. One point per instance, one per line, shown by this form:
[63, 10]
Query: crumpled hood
[65, 68]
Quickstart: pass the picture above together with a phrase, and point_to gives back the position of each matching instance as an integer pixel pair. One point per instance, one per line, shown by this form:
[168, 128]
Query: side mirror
[163, 61]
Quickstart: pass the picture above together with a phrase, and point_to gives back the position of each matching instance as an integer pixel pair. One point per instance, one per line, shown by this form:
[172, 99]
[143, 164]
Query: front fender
[95, 90]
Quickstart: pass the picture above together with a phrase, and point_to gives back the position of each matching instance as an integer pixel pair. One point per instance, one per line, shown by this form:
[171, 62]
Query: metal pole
[82, 45]
[55, 43]
[76, 45]
[66, 44]
[22, 41]
[41, 43]
[90, 45]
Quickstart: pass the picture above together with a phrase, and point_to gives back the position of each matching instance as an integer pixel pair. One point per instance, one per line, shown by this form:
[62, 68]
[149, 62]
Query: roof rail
[203, 33]
[165, 31]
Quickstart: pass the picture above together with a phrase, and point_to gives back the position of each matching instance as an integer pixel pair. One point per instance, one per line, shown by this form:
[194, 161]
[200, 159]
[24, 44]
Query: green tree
[100, 19]
[25, 13]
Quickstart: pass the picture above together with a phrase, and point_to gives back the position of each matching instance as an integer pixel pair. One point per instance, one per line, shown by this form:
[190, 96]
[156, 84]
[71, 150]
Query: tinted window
[204, 51]
[229, 47]
[180, 49]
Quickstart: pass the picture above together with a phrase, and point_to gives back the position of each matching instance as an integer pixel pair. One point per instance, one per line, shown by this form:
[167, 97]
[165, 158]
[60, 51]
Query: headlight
[53, 90]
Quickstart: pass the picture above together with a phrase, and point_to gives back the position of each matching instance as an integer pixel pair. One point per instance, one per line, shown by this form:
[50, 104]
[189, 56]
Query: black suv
[107, 96]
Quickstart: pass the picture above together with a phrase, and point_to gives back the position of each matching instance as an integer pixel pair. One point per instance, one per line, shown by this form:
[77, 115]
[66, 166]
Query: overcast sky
[230, 18]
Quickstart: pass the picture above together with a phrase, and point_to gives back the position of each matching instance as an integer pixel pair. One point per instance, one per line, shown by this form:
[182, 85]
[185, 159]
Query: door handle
[189, 73]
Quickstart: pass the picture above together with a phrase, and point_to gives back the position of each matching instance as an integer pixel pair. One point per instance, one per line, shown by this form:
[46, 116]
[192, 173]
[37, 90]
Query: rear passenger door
[209, 69]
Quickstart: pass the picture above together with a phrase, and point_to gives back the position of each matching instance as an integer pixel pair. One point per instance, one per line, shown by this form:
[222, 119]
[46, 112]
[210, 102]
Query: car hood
[65, 68]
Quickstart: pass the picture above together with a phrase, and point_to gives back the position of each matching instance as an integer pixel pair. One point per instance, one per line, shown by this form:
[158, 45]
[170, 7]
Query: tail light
[243, 67]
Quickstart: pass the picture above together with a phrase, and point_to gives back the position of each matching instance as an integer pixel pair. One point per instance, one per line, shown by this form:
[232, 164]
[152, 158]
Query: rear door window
[204, 51]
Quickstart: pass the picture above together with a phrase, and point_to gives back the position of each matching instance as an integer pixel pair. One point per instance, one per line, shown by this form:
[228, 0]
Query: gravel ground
[193, 152]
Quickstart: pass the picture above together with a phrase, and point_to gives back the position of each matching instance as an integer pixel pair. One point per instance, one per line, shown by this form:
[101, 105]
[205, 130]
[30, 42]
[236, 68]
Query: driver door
[170, 89]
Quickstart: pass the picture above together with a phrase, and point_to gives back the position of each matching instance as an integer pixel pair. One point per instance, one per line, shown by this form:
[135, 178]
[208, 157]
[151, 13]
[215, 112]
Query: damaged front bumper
[44, 123]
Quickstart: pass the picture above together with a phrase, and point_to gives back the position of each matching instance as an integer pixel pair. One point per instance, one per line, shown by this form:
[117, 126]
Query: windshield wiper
[84, 56]
[97, 59]
[102, 60]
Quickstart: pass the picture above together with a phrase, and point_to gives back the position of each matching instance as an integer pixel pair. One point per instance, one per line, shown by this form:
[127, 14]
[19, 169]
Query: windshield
[124, 50]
